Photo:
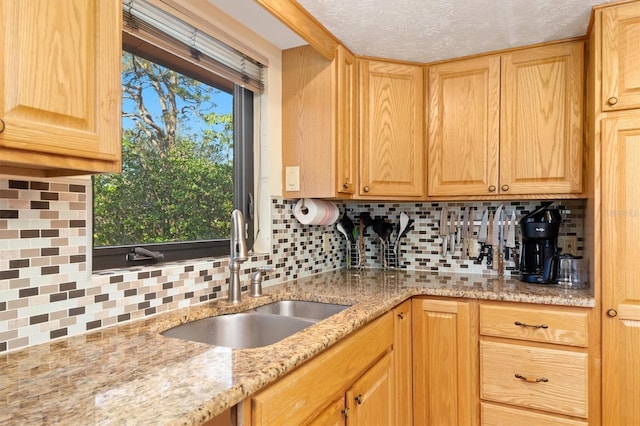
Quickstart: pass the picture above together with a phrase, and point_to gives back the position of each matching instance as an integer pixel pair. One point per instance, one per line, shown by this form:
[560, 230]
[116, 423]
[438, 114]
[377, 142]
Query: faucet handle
[256, 280]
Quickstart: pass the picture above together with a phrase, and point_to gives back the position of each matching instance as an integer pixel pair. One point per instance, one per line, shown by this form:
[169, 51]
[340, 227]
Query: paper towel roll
[315, 212]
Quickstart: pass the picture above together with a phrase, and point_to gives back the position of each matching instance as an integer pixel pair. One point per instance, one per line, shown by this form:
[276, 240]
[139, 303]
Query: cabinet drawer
[535, 324]
[496, 415]
[563, 384]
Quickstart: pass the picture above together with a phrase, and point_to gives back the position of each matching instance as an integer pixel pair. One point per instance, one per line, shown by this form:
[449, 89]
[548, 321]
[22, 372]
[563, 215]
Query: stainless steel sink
[243, 330]
[258, 327]
[301, 309]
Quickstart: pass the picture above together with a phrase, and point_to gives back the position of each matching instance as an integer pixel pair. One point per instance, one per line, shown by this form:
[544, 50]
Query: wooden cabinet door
[319, 107]
[346, 109]
[60, 90]
[370, 401]
[620, 57]
[308, 122]
[391, 130]
[445, 357]
[620, 289]
[541, 120]
[333, 415]
[403, 365]
[464, 126]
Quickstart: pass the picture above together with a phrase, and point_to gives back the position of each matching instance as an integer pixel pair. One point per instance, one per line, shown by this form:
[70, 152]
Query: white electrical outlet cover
[292, 181]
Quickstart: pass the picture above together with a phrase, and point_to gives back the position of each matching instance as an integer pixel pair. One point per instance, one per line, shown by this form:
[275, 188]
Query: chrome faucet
[256, 280]
[239, 254]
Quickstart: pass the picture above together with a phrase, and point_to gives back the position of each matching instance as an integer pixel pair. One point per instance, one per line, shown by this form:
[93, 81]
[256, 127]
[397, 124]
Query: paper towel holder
[304, 208]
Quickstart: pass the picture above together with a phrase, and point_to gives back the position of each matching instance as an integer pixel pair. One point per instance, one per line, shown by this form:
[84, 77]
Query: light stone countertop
[130, 374]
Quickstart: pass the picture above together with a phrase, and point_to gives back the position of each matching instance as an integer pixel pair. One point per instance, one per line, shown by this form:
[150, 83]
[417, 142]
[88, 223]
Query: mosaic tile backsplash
[47, 292]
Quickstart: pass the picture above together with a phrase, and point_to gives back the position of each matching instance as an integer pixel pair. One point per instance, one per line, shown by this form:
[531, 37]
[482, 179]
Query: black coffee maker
[539, 254]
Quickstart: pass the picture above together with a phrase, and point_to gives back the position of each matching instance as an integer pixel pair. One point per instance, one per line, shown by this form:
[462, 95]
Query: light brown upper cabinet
[60, 87]
[541, 120]
[318, 124]
[507, 125]
[620, 57]
[464, 126]
[391, 130]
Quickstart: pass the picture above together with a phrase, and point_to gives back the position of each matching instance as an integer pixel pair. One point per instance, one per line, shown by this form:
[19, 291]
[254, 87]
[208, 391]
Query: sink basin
[258, 327]
[301, 309]
[239, 331]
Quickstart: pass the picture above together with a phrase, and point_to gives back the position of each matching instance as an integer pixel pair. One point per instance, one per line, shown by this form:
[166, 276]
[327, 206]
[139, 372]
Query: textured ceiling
[432, 30]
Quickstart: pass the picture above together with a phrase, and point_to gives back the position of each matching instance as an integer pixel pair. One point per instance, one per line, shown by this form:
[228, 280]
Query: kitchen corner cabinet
[445, 357]
[538, 365]
[507, 125]
[620, 59]
[60, 87]
[319, 150]
[391, 107]
[349, 383]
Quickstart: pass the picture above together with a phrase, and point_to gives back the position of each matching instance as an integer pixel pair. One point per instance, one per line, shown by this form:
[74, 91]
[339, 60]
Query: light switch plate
[292, 180]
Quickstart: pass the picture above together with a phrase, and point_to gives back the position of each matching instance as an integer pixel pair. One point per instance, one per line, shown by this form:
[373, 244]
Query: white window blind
[144, 20]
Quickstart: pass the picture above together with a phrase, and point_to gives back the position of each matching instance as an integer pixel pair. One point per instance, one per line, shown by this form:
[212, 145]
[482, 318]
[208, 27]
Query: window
[187, 160]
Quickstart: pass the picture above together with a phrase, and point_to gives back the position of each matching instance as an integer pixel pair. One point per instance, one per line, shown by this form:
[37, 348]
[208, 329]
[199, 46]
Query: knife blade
[459, 220]
[482, 233]
[444, 214]
[497, 239]
[464, 233]
[510, 241]
[452, 232]
[489, 243]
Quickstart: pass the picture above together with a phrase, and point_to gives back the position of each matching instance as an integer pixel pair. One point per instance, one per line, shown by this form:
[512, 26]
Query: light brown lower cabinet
[537, 365]
[403, 363]
[445, 362]
[350, 383]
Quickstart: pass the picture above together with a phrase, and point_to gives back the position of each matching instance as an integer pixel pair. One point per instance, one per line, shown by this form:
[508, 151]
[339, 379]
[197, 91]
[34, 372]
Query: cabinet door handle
[2, 126]
[522, 324]
[358, 399]
[492, 188]
[505, 187]
[531, 379]
[612, 313]
[612, 100]
[401, 315]
[345, 185]
[366, 189]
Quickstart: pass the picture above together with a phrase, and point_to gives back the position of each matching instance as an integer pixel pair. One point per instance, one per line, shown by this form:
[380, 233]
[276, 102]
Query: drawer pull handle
[522, 324]
[531, 380]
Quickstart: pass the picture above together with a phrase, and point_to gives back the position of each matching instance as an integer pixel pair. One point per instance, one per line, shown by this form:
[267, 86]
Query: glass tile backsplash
[47, 291]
